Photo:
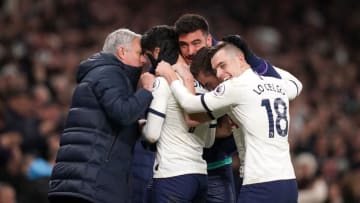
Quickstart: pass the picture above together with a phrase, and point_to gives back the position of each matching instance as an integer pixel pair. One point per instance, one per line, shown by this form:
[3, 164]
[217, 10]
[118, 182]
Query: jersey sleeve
[241, 149]
[210, 138]
[157, 110]
[216, 102]
[292, 85]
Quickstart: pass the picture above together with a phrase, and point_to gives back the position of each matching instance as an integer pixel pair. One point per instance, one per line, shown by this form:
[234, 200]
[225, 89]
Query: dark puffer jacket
[96, 147]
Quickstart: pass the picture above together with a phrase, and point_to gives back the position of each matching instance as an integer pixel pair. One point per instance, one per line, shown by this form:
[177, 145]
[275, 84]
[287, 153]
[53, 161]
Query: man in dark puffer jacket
[96, 148]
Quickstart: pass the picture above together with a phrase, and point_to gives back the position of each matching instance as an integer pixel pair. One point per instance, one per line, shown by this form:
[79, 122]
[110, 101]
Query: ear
[121, 53]
[209, 40]
[241, 57]
[156, 52]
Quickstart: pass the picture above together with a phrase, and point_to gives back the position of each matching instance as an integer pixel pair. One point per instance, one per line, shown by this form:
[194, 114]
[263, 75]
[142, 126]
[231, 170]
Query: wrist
[148, 87]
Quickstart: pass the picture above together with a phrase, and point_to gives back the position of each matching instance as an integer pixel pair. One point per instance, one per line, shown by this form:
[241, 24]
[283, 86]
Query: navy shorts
[221, 186]
[180, 189]
[142, 172]
[281, 191]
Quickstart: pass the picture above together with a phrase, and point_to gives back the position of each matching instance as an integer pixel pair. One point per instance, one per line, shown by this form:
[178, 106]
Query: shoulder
[108, 77]
[109, 72]
[160, 81]
[230, 88]
[160, 84]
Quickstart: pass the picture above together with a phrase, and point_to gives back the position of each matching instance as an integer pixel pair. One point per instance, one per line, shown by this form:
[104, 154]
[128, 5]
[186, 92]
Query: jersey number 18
[281, 116]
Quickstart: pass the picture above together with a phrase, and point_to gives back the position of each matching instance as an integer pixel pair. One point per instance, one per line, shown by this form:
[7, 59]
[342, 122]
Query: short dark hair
[191, 22]
[201, 63]
[157, 35]
[164, 37]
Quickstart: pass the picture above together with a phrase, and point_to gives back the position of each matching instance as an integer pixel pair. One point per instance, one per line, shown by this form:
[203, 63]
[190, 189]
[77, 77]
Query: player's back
[179, 147]
[262, 111]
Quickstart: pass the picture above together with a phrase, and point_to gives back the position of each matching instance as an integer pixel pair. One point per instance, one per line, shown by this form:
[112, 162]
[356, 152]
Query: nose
[143, 59]
[192, 50]
[218, 73]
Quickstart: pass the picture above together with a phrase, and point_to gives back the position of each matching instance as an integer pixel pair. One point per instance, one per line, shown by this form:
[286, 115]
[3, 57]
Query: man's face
[191, 43]
[209, 81]
[226, 65]
[133, 56]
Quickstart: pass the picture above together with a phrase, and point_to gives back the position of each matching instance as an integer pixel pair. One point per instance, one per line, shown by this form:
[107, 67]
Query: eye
[183, 46]
[196, 43]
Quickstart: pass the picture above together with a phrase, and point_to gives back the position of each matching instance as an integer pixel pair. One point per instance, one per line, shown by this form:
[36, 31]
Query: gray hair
[121, 37]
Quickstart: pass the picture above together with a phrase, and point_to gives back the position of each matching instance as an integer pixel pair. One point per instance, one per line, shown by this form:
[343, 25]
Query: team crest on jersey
[156, 84]
[219, 90]
[196, 83]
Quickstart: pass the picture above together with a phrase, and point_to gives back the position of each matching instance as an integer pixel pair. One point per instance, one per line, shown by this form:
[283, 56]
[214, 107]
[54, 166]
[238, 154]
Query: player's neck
[243, 68]
[181, 60]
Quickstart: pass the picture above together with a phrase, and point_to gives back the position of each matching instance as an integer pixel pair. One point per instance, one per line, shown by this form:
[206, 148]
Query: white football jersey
[241, 149]
[260, 106]
[179, 148]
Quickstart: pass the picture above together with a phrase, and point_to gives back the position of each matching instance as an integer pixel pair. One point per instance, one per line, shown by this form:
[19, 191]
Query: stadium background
[42, 42]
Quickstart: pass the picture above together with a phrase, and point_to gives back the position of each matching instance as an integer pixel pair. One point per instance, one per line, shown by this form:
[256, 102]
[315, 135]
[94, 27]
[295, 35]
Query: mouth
[226, 78]
[189, 58]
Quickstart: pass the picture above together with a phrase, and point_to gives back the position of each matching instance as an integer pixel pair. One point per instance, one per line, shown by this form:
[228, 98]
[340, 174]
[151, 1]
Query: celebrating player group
[175, 115]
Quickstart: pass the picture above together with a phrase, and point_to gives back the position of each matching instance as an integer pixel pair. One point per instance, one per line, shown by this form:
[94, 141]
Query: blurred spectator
[351, 186]
[335, 194]
[20, 115]
[312, 187]
[36, 168]
[53, 143]
[11, 169]
[37, 172]
[7, 193]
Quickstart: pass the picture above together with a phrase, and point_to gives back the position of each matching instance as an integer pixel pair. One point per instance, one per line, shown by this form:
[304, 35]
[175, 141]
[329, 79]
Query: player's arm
[195, 103]
[188, 81]
[206, 133]
[293, 86]
[210, 138]
[164, 69]
[156, 113]
[194, 119]
[212, 103]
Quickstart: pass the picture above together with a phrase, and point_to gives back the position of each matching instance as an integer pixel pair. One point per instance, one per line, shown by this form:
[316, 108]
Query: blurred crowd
[43, 41]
